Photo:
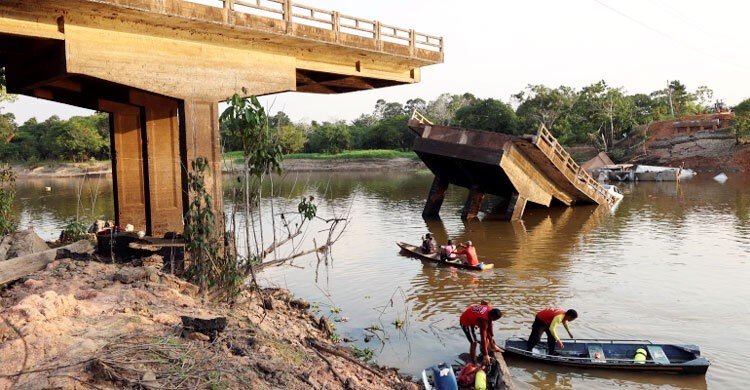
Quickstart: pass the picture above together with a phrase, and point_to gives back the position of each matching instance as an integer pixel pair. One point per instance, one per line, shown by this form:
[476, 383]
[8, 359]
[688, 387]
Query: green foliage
[540, 104]
[488, 114]
[365, 354]
[246, 122]
[8, 221]
[206, 268]
[74, 231]
[78, 139]
[307, 209]
[329, 138]
[742, 119]
[291, 138]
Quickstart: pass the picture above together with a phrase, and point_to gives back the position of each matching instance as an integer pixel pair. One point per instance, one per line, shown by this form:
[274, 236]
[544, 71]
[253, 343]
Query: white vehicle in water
[614, 191]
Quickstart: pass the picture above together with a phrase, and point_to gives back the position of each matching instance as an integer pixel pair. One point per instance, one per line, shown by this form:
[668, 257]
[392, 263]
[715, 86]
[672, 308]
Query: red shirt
[471, 255]
[473, 313]
[547, 315]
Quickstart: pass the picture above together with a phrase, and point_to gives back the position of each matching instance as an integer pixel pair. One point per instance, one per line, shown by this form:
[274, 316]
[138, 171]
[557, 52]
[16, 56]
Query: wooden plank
[21, 266]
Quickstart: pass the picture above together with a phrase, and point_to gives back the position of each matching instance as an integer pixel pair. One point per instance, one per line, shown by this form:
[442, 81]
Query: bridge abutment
[473, 204]
[435, 198]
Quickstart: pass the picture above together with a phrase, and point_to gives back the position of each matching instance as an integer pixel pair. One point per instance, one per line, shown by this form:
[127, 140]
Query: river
[670, 264]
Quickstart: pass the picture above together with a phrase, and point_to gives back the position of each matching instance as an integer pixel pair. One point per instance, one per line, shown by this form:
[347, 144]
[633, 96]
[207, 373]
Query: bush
[329, 138]
[7, 195]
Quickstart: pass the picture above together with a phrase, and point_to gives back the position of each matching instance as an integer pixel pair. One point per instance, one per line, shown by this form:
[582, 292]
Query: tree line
[597, 114]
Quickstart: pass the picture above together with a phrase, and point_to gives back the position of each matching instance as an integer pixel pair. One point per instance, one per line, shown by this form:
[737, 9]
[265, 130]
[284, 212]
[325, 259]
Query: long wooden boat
[616, 355]
[415, 251]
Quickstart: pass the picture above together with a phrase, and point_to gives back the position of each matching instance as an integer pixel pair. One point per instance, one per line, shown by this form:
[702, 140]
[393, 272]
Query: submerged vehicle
[632, 355]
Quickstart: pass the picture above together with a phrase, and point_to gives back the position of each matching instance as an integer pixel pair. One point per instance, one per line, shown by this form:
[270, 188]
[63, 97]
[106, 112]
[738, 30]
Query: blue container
[439, 377]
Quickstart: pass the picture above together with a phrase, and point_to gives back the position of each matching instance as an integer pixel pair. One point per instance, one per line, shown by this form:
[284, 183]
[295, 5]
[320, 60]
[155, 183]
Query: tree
[329, 138]
[279, 120]
[292, 138]
[540, 104]
[77, 139]
[392, 133]
[742, 118]
[442, 110]
[385, 110]
[415, 104]
[488, 114]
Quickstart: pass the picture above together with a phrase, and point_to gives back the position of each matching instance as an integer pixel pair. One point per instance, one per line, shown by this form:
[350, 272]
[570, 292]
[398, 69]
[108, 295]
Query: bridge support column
[516, 207]
[435, 198]
[200, 126]
[473, 204]
[126, 141]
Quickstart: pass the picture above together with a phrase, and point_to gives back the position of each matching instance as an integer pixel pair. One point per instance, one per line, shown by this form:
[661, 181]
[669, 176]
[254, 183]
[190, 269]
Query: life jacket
[547, 315]
[473, 313]
[640, 356]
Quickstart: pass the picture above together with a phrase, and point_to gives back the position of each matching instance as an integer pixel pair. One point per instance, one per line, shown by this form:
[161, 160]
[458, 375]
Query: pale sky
[495, 48]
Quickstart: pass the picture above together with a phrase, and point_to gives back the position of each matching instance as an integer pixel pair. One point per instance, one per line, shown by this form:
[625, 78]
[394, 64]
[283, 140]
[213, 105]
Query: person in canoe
[447, 251]
[480, 316]
[470, 252]
[428, 244]
[546, 321]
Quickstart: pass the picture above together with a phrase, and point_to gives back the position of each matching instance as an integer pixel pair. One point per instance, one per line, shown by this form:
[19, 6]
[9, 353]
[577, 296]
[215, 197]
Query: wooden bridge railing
[548, 144]
[293, 13]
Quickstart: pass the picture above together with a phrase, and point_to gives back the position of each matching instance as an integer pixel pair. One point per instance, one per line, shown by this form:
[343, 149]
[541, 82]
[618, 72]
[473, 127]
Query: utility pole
[669, 93]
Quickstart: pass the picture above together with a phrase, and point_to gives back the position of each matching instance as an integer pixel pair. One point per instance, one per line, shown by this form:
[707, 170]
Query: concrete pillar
[516, 207]
[473, 204]
[163, 165]
[128, 180]
[435, 198]
[200, 125]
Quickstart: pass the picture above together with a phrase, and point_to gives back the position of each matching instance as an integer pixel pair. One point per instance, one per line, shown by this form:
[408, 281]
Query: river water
[670, 264]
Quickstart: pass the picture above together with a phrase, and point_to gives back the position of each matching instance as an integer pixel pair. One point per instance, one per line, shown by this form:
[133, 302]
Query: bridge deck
[519, 169]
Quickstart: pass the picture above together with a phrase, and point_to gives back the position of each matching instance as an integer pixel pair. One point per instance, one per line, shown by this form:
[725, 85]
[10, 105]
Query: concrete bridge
[160, 67]
[517, 169]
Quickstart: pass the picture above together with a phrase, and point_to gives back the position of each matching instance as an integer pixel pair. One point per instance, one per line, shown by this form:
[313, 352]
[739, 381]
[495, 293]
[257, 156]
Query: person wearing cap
[480, 316]
[470, 252]
[546, 321]
[428, 244]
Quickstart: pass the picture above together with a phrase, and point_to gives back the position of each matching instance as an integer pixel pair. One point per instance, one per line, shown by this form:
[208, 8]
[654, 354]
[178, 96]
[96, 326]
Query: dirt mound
[21, 243]
[78, 324]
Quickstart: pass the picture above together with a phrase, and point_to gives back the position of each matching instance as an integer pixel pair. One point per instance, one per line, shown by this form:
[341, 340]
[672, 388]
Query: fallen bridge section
[519, 170]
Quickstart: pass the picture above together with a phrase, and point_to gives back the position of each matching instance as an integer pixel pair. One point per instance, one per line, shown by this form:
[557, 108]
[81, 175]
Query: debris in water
[721, 178]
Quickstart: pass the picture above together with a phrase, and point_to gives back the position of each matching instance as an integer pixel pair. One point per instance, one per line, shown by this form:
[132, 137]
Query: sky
[495, 48]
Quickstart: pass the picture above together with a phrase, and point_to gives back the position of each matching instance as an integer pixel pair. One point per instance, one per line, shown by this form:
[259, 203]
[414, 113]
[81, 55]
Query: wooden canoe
[615, 355]
[416, 251]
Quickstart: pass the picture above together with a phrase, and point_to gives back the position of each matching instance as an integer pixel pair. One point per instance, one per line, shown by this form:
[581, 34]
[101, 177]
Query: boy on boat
[480, 316]
[428, 244]
[447, 252]
[470, 252]
[546, 321]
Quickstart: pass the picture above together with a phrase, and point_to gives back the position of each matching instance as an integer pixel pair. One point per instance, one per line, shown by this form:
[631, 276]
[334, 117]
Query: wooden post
[435, 198]
[473, 204]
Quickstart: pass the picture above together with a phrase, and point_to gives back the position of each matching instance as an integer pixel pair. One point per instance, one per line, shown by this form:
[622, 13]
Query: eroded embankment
[84, 324]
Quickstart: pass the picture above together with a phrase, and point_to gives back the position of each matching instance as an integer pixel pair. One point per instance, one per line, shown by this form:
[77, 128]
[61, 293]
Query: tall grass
[350, 154]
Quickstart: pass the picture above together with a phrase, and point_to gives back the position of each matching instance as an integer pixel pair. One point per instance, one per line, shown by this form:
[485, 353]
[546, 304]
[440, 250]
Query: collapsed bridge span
[517, 169]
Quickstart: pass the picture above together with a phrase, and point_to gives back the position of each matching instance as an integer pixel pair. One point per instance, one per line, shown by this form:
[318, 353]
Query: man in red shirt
[546, 321]
[470, 252]
[480, 316]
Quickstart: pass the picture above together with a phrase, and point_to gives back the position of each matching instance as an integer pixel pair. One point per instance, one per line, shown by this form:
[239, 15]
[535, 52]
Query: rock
[155, 261]
[130, 275]
[208, 326]
[148, 376]
[85, 294]
[21, 243]
[325, 326]
[300, 304]
[197, 336]
[33, 284]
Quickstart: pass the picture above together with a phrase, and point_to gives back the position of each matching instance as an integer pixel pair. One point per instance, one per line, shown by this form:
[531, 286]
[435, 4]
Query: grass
[345, 155]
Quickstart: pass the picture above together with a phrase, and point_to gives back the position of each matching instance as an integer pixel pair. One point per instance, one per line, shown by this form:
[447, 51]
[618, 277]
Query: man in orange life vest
[547, 321]
[470, 252]
[480, 316]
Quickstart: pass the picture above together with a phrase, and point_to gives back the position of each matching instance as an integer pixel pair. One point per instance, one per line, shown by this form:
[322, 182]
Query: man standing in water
[480, 316]
[546, 321]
